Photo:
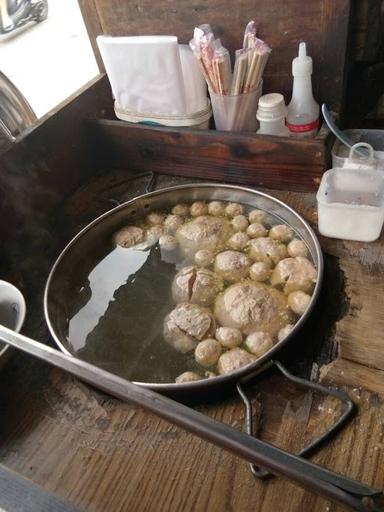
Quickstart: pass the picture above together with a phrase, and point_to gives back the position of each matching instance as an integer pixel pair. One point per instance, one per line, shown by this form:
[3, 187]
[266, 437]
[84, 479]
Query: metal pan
[87, 241]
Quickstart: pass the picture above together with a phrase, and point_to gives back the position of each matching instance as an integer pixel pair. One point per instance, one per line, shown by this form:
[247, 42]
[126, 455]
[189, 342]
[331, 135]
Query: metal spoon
[355, 495]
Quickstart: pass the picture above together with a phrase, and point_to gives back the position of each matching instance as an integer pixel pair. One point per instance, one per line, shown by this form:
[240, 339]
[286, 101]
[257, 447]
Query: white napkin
[194, 83]
[145, 73]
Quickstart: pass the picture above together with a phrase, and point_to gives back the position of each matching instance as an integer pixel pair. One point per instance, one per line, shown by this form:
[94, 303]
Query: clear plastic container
[375, 138]
[236, 113]
[350, 203]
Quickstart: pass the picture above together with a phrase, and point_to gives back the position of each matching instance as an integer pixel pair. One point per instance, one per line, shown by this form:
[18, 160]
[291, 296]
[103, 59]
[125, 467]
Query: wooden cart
[95, 453]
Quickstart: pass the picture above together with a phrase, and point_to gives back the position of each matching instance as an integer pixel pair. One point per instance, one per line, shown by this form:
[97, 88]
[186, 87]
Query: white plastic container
[350, 203]
[271, 115]
[303, 111]
[198, 120]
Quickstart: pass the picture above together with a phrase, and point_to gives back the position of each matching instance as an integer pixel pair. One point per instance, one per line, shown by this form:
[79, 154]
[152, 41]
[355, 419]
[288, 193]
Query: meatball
[281, 232]
[256, 230]
[294, 274]
[266, 249]
[240, 223]
[251, 306]
[260, 271]
[207, 352]
[298, 302]
[229, 337]
[258, 216]
[154, 232]
[196, 285]
[233, 360]
[258, 343]
[187, 377]
[154, 218]
[238, 241]
[186, 325]
[233, 209]
[168, 242]
[216, 208]
[204, 257]
[128, 236]
[198, 208]
[181, 209]
[283, 333]
[203, 233]
[172, 223]
[297, 248]
[232, 265]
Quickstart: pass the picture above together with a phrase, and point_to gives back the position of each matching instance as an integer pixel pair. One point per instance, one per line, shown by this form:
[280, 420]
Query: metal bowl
[89, 240]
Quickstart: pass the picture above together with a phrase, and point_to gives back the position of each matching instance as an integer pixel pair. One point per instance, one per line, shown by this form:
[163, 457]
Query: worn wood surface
[101, 454]
[322, 24]
[274, 162]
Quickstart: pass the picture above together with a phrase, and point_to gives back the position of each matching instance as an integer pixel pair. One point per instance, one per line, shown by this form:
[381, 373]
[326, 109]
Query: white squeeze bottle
[303, 111]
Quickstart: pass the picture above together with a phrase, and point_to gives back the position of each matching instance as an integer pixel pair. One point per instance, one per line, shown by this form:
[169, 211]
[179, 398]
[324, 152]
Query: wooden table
[100, 454]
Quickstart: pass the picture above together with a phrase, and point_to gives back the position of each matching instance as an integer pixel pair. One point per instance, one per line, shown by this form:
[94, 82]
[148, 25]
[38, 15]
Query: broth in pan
[196, 291]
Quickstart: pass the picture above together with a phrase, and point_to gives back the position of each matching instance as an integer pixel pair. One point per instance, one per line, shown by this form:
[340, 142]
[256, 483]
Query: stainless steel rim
[233, 376]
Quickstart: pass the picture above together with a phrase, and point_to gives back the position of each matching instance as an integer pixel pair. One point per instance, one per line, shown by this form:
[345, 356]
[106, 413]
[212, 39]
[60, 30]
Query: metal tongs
[333, 486]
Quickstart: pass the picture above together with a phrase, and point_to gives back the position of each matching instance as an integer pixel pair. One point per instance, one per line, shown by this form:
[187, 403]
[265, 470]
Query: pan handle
[348, 413]
[355, 495]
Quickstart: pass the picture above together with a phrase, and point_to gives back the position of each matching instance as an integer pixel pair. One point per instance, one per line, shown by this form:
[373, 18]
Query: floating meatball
[281, 232]
[172, 223]
[181, 209]
[229, 337]
[216, 208]
[196, 285]
[256, 230]
[186, 325]
[233, 209]
[260, 271]
[294, 274]
[198, 208]
[232, 265]
[251, 306]
[154, 218]
[283, 333]
[203, 233]
[154, 232]
[238, 241]
[204, 257]
[240, 223]
[258, 216]
[297, 248]
[207, 352]
[258, 343]
[168, 242]
[233, 360]
[129, 236]
[298, 302]
[266, 249]
[187, 377]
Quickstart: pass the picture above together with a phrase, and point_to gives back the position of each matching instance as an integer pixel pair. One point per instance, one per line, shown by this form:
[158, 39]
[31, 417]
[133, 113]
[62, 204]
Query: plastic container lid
[302, 65]
[271, 106]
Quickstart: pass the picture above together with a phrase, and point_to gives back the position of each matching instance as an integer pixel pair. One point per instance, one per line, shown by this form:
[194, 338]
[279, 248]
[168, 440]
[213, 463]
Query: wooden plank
[237, 158]
[18, 494]
[342, 372]
[283, 24]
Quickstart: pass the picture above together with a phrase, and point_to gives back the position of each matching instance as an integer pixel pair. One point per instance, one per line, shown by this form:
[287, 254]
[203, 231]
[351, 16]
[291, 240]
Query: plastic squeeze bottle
[303, 111]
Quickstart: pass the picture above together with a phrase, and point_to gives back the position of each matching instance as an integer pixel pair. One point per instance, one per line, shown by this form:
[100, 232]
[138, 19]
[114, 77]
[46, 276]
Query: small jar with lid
[271, 115]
